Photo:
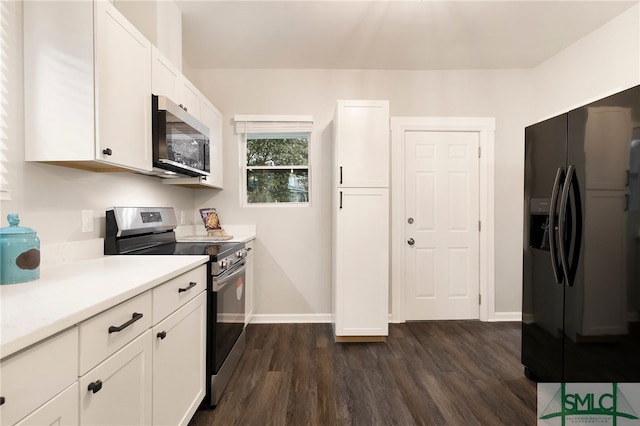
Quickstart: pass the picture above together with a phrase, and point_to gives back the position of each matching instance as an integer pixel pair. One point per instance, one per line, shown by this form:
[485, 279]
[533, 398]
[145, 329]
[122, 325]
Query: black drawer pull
[95, 386]
[135, 317]
[161, 335]
[2, 400]
[107, 151]
[189, 287]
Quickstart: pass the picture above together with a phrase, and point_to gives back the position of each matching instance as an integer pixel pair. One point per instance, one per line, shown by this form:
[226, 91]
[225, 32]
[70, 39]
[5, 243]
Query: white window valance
[273, 123]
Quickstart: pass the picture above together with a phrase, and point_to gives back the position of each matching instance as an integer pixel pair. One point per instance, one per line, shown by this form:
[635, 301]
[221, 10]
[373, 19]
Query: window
[274, 152]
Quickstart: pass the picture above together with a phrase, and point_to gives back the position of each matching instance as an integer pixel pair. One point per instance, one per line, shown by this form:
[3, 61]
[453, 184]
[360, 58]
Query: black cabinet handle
[95, 386]
[189, 287]
[340, 199]
[161, 335]
[340, 175]
[135, 317]
[107, 151]
[2, 400]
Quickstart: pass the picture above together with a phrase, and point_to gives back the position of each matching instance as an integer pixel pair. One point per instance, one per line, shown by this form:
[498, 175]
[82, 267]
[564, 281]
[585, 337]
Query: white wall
[602, 63]
[293, 255]
[293, 250]
[50, 199]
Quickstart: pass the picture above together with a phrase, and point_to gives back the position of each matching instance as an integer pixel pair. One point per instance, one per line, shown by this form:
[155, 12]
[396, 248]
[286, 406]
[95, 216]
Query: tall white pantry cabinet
[361, 155]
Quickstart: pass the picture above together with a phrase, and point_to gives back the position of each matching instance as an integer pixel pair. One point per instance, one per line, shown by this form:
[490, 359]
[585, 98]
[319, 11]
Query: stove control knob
[241, 254]
[223, 264]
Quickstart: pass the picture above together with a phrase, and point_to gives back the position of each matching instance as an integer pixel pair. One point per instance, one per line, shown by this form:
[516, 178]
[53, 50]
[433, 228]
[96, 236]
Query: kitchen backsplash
[70, 251]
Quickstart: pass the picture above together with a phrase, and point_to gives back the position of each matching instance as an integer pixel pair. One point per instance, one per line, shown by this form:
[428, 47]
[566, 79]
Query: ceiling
[392, 35]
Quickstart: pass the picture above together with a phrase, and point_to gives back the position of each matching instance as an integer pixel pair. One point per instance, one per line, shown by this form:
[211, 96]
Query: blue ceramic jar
[19, 253]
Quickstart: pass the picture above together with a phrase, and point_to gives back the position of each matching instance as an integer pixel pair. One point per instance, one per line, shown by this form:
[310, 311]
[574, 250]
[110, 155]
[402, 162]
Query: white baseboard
[326, 318]
[290, 318]
[505, 316]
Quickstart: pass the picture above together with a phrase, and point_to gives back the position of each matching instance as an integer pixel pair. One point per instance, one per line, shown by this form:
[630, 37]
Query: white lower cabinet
[179, 350]
[141, 362]
[22, 386]
[118, 391]
[62, 410]
[361, 262]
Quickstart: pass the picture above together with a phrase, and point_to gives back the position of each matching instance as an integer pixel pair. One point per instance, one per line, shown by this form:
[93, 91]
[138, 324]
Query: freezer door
[602, 333]
[543, 289]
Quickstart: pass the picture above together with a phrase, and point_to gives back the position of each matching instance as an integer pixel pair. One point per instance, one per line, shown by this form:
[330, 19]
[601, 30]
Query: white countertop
[70, 293]
[239, 233]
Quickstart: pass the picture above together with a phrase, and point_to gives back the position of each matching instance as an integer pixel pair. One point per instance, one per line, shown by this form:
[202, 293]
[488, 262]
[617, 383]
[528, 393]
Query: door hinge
[479, 299]
[479, 226]
[479, 152]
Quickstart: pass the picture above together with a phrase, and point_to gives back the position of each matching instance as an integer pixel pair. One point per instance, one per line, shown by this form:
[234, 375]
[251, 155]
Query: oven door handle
[221, 282]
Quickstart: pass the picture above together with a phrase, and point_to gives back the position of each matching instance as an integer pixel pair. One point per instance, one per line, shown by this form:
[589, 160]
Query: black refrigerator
[581, 263]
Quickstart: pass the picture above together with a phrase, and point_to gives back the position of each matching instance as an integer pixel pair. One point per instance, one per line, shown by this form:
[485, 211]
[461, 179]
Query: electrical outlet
[183, 218]
[87, 220]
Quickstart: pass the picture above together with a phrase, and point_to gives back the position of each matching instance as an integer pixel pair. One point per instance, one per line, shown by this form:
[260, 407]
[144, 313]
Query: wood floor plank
[426, 373]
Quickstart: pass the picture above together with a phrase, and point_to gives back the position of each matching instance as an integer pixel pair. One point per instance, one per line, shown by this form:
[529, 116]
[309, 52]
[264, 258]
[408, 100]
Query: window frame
[279, 127]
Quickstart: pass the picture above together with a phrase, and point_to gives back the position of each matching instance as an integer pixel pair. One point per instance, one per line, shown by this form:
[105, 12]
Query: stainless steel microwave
[180, 141]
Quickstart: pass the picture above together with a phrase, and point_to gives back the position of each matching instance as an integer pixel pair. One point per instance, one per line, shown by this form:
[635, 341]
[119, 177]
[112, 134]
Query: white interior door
[442, 225]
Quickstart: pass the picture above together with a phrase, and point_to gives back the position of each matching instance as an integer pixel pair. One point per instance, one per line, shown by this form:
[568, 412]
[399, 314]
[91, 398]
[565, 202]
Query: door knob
[411, 241]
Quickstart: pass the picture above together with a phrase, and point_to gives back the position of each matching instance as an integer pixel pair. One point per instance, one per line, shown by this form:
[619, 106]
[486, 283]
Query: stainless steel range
[140, 231]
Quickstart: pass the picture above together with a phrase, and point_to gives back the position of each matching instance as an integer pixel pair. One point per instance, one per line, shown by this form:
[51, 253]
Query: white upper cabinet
[164, 75]
[123, 75]
[87, 87]
[188, 97]
[362, 148]
[212, 118]
[168, 81]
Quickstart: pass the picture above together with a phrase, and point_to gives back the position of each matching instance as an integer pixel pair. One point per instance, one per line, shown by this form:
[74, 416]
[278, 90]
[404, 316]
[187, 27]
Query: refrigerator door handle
[557, 271]
[562, 224]
[577, 219]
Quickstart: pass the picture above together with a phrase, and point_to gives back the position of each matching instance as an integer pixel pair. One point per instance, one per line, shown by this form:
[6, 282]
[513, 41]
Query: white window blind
[273, 123]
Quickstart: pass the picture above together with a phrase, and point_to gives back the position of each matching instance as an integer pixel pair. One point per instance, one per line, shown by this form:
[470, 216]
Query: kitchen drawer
[32, 377]
[176, 292]
[109, 331]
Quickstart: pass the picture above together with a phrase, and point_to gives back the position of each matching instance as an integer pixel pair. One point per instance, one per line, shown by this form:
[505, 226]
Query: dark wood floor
[455, 373]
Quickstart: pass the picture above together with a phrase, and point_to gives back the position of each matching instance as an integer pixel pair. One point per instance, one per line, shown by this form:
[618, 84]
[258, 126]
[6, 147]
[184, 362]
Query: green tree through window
[277, 168]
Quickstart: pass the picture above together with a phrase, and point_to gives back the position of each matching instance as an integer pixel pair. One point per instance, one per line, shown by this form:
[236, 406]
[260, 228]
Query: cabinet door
[123, 90]
[212, 118]
[58, 81]
[361, 275]
[32, 377]
[118, 391]
[362, 144]
[164, 76]
[61, 410]
[179, 350]
[188, 96]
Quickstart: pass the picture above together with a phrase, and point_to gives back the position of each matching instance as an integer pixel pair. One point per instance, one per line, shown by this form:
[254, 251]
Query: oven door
[228, 292]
